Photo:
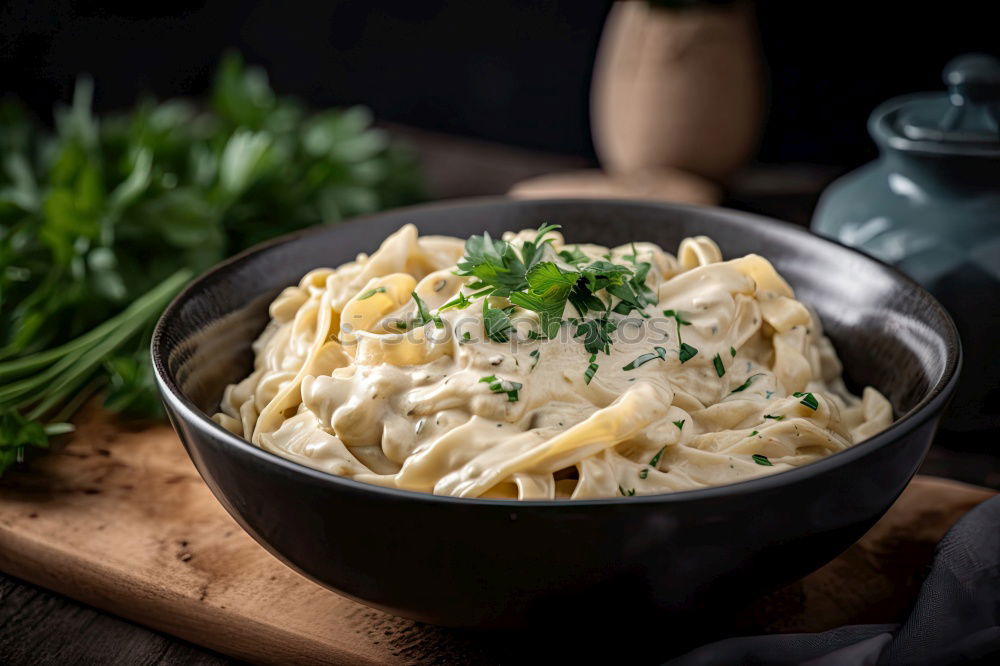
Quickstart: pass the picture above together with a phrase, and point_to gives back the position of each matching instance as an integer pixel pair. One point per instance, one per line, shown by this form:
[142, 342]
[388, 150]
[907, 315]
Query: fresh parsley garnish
[761, 460]
[685, 351]
[652, 463]
[503, 386]
[679, 424]
[776, 417]
[627, 493]
[752, 433]
[591, 370]
[596, 334]
[719, 368]
[659, 352]
[371, 292]
[732, 352]
[460, 302]
[466, 337]
[808, 399]
[497, 322]
[531, 278]
[535, 355]
[745, 385]
[424, 315]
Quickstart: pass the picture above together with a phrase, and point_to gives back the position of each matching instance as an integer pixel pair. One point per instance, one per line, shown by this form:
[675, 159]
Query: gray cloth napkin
[955, 619]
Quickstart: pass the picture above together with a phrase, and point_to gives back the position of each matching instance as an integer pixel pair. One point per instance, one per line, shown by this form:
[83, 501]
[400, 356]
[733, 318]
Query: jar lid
[964, 120]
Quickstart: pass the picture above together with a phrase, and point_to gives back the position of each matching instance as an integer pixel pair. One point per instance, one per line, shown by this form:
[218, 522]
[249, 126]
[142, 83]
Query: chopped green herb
[534, 335]
[643, 473]
[503, 386]
[808, 399]
[732, 351]
[591, 369]
[752, 433]
[745, 385]
[424, 315]
[719, 368]
[535, 354]
[679, 424]
[596, 334]
[761, 460]
[466, 337]
[768, 394]
[687, 352]
[627, 493]
[371, 292]
[677, 316]
[460, 302]
[660, 353]
[656, 459]
[776, 417]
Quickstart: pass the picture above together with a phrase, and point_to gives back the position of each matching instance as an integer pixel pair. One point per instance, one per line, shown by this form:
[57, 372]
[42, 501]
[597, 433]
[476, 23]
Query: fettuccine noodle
[338, 387]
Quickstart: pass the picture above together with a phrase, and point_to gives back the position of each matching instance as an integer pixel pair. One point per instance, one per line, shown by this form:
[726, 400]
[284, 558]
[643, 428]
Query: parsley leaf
[424, 315]
[808, 399]
[746, 384]
[679, 424]
[371, 292]
[685, 351]
[503, 386]
[573, 256]
[596, 334]
[497, 322]
[719, 368]
[548, 289]
[591, 369]
[761, 460]
[659, 352]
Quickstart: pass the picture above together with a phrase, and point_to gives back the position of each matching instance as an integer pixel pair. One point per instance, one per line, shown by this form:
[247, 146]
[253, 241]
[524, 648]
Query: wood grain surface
[118, 518]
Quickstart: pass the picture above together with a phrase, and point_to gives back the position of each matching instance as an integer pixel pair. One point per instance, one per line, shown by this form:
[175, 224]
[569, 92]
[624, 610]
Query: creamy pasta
[396, 370]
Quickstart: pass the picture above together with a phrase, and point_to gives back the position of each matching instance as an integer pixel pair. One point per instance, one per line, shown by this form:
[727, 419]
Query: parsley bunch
[537, 278]
[104, 219]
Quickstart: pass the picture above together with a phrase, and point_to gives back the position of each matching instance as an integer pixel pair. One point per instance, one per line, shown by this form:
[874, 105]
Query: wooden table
[39, 627]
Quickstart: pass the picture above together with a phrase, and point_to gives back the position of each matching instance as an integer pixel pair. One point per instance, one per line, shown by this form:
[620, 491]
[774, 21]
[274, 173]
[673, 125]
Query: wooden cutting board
[117, 517]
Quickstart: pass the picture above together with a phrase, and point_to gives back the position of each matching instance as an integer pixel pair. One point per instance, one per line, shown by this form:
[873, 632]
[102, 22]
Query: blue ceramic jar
[930, 205]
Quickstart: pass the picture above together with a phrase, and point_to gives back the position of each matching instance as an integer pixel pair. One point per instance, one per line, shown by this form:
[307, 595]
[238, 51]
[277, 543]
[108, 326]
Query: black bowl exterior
[500, 564]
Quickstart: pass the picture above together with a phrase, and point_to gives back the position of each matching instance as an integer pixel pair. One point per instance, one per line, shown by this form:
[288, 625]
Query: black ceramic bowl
[494, 563]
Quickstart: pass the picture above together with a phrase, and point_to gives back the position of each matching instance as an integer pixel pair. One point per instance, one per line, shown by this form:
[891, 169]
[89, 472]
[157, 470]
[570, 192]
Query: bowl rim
[935, 399]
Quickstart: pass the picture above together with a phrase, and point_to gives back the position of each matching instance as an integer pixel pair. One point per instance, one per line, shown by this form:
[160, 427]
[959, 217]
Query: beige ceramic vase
[677, 88]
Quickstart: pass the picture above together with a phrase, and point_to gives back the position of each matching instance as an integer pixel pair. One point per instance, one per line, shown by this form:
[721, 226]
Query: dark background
[516, 72]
